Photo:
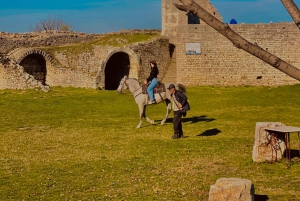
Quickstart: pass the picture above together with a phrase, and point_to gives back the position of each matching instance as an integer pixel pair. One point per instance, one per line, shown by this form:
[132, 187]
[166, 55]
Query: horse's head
[122, 86]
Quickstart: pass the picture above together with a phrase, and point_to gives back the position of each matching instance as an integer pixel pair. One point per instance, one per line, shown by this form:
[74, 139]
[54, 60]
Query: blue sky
[103, 16]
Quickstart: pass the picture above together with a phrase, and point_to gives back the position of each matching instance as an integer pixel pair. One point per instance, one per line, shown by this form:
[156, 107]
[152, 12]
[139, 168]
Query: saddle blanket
[159, 88]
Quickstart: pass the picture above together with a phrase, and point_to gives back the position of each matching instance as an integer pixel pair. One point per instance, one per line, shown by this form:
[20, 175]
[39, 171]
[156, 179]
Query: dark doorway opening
[171, 49]
[116, 68]
[35, 65]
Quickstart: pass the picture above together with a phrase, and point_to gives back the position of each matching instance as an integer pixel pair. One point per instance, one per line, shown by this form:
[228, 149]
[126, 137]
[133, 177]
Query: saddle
[159, 88]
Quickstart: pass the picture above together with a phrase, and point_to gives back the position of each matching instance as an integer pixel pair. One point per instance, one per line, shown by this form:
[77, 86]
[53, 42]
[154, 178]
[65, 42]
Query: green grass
[82, 144]
[120, 40]
[117, 40]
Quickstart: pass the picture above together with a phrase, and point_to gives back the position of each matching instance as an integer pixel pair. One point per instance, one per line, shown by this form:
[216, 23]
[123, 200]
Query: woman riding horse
[152, 79]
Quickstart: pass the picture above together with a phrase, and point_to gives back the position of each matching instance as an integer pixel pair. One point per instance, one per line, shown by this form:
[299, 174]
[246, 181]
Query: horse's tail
[181, 88]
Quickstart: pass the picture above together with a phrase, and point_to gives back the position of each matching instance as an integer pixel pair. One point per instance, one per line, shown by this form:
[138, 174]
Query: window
[193, 19]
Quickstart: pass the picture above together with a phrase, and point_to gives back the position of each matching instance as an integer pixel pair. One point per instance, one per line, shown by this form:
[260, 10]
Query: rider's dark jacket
[153, 73]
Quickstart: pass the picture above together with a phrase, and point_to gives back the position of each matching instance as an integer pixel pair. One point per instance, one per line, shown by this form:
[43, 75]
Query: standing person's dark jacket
[180, 97]
[153, 73]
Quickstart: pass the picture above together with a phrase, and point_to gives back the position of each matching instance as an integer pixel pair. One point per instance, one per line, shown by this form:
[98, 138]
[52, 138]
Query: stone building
[219, 62]
[188, 52]
[40, 60]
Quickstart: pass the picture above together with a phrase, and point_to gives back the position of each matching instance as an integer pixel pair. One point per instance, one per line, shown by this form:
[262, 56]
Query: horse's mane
[135, 80]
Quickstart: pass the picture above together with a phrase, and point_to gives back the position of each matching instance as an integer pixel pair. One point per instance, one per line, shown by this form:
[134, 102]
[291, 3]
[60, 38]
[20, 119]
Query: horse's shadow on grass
[192, 120]
[210, 132]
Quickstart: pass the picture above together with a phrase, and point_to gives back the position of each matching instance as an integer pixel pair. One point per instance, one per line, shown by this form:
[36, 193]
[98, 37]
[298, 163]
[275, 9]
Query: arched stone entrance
[35, 65]
[118, 63]
[34, 62]
[117, 66]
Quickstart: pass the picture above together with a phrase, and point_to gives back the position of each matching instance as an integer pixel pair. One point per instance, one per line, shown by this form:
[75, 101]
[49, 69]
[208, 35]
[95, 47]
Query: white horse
[142, 99]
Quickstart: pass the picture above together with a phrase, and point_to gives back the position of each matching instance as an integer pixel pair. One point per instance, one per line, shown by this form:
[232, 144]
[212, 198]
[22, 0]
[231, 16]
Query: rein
[133, 91]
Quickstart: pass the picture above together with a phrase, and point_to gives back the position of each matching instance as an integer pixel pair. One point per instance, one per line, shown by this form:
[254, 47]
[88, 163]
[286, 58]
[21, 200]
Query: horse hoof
[138, 126]
[162, 123]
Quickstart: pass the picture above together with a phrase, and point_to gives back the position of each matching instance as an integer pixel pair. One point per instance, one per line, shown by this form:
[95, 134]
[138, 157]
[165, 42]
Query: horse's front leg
[142, 114]
[148, 119]
[169, 108]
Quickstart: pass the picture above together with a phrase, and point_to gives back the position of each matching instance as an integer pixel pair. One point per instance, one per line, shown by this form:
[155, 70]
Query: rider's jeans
[151, 87]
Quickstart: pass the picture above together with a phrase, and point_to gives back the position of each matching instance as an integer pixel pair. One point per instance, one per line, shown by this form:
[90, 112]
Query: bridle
[128, 87]
[123, 84]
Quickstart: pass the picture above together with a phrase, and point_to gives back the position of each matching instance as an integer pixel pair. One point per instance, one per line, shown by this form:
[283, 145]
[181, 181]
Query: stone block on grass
[232, 189]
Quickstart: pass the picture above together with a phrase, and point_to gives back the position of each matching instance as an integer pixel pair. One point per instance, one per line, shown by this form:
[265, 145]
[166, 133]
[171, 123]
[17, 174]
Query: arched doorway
[117, 66]
[35, 65]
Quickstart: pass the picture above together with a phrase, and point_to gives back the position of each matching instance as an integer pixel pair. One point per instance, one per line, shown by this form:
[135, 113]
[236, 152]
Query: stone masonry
[85, 69]
[219, 62]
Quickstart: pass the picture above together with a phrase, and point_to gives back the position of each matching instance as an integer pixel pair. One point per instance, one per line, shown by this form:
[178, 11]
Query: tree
[51, 23]
[189, 6]
[293, 10]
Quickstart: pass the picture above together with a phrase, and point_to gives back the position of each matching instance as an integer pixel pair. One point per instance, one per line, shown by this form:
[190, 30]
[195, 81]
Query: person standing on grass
[152, 79]
[178, 100]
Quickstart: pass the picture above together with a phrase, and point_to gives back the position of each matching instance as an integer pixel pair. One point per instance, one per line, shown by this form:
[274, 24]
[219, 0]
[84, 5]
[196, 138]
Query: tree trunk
[293, 10]
[237, 40]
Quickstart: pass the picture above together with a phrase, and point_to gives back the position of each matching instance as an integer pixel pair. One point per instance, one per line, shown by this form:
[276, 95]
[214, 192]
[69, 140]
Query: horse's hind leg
[169, 108]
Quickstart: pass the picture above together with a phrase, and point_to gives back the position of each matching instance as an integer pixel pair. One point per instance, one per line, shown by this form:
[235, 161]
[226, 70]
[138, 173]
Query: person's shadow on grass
[295, 156]
[261, 197]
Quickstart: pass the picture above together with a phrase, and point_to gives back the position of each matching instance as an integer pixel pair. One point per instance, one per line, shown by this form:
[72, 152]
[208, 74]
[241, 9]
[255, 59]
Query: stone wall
[9, 42]
[68, 67]
[157, 50]
[220, 63]
[88, 69]
[13, 76]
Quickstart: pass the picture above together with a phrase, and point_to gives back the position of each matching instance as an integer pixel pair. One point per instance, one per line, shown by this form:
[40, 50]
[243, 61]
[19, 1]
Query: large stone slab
[232, 189]
[264, 148]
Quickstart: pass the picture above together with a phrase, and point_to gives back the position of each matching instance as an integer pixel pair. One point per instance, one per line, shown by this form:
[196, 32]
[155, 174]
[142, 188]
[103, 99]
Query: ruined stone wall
[3, 77]
[75, 66]
[9, 42]
[76, 70]
[13, 76]
[220, 63]
[87, 69]
[157, 50]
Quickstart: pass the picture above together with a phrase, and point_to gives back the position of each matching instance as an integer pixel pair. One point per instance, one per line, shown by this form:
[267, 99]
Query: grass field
[82, 144]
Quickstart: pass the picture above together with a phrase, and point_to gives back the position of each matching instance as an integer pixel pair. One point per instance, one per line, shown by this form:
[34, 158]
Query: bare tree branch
[189, 6]
[51, 23]
[293, 10]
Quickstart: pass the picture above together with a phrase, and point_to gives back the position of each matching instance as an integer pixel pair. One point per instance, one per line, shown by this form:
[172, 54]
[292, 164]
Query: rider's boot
[152, 102]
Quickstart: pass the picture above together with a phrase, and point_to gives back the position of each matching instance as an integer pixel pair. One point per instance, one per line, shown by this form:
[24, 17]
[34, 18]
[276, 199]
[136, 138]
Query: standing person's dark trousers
[177, 125]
